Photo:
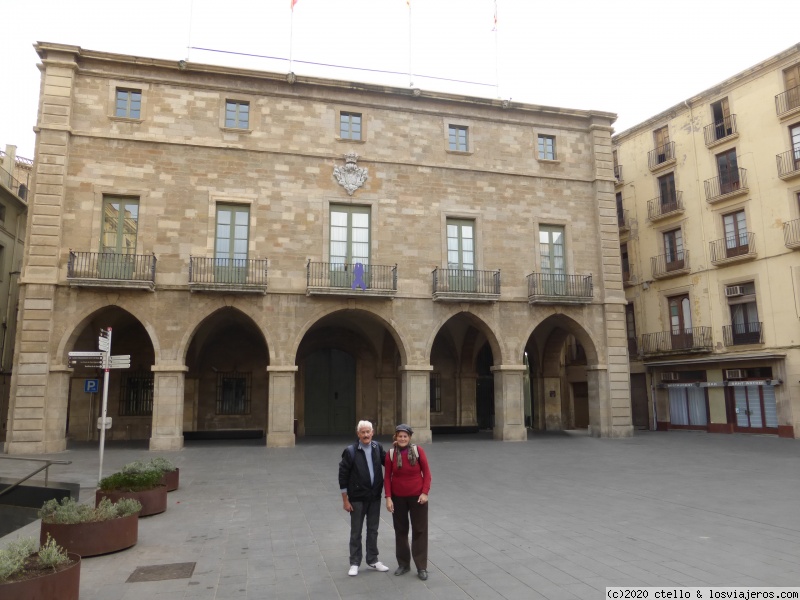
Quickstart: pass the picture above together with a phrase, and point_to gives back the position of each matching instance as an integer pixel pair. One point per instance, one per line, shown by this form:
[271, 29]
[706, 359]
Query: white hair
[363, 424]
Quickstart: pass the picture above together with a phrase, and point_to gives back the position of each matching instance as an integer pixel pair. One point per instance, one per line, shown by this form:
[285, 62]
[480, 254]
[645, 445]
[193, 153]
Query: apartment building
[281, 256]
[14, 184]
[708, 207]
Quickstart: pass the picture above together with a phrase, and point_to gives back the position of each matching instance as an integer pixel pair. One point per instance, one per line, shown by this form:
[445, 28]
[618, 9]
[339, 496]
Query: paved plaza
[559, 517]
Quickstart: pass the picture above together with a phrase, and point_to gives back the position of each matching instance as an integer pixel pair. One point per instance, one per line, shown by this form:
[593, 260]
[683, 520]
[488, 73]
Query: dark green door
[330, 393]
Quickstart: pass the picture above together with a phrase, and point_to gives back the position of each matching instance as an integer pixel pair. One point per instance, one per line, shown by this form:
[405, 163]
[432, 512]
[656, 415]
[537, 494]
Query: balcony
[628, 278]
[662, 157]
[677, 341]
[788, 164]
[618, 175]
[547, 288]
[228, 275]
[665, 206]
[466, 285]
[742, 333]
[733, 249]
[788, 103]
[354, 280]
[670, 265]
[791, 234]
[622, 220]
[720, 131]
[111, 270]
[722, 188]
[18, 188]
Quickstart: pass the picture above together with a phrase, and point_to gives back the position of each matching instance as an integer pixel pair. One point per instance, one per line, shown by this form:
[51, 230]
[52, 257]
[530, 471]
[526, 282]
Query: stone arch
[479, 323]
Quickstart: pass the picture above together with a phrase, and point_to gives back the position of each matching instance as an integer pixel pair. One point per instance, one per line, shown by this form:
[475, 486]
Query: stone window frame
[374, 242]
[239, 99]
[569, 264]
[100, 193]
[464, 124]
[463, 215]
[214, 200]
[546, 135]
[117, 84]
[338, 125]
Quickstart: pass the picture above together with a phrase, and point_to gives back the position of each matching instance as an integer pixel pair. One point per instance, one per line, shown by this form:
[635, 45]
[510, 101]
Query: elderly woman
[407, 481]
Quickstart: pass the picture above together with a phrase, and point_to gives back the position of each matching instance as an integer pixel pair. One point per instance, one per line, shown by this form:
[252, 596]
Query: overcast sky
[630, 57]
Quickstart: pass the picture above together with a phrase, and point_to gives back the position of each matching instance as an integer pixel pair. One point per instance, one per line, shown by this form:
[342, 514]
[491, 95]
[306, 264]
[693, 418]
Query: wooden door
[680, 318]
[330, 392]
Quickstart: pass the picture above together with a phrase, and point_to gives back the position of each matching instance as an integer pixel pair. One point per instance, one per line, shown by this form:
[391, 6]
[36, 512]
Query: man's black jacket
[354, 473]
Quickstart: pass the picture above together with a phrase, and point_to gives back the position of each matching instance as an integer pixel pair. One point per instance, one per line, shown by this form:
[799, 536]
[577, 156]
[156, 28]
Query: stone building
[708, 207]
[284, 256]
[14, 184]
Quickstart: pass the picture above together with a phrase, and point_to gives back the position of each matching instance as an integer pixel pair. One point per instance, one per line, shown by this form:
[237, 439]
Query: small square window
[237, 114]
[458, 139]
[547, 147]
[350, 126]
[128, 104]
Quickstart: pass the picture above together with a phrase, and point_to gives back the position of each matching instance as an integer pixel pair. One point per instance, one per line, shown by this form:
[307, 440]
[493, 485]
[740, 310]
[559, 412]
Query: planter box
[91, 539]
[153, 501]
[171, 479]
[59, 585]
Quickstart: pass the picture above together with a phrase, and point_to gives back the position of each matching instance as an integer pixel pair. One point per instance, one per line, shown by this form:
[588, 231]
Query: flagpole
[410, 80]
[496, 54]
[291, 35]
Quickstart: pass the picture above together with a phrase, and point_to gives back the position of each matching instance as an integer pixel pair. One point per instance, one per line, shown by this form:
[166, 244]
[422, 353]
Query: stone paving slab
[557, 518]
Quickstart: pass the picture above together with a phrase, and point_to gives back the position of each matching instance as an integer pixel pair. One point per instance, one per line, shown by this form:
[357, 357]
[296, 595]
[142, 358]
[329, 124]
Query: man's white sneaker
[379, 566]
[353, 570]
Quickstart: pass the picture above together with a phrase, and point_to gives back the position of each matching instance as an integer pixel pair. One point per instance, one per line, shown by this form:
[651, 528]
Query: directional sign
[87, 354]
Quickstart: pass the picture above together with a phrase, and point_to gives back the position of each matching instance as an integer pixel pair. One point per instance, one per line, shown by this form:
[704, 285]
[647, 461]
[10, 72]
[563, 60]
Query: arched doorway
[226, 386]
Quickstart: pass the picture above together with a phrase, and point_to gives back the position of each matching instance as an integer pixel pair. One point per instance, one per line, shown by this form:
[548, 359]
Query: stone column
[167, 433]
[415, 403]
[467, 402]
[280, 423]
[609, 402]
[509, 403]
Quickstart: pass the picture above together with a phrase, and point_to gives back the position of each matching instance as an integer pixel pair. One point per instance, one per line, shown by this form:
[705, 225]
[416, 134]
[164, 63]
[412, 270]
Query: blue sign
[91, 386]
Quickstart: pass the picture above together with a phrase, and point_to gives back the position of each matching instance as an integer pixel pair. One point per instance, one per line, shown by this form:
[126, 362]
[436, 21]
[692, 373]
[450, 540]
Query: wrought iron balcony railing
[695, 339]
[791, 233]
[350, 279]
[18, 188]
[552, 288]
[720, 187]
[618, 173]
[466, 284]
[788, 164]
[733, 247]
[109, 269]
[228, 274]
[661, 156]
[719, 130]
[670, 265]
[664, 206]
[742, 333]
[787, 101]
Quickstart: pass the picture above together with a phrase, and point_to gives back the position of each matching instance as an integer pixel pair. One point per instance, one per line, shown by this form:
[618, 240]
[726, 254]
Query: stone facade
[708, 194]
[227, 351]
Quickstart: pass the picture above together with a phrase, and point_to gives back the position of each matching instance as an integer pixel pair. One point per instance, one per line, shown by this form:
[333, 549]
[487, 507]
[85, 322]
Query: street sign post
[101, 360]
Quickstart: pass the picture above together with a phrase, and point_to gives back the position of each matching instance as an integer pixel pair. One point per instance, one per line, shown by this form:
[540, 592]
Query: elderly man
[361, 484]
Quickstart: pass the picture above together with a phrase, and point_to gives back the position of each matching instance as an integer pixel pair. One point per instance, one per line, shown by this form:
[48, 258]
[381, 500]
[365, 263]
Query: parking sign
[91, 386]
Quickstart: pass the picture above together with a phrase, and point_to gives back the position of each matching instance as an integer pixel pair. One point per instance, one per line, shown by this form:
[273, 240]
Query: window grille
[233, 393]
[136, 395]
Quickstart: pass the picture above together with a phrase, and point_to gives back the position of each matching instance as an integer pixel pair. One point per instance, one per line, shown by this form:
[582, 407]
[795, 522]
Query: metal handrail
[45, 468]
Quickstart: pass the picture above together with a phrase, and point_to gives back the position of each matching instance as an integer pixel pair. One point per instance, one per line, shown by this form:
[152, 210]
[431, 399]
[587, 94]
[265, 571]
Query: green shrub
[159, 463]
[69, 512]
[162, 464]
[13, 556]
[51, 554]
[130, 481]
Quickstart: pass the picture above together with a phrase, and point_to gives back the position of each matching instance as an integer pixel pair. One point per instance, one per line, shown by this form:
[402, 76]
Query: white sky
[631, 57]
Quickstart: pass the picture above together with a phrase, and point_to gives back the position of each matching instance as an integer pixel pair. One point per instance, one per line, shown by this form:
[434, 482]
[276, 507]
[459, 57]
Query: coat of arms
[350, 176]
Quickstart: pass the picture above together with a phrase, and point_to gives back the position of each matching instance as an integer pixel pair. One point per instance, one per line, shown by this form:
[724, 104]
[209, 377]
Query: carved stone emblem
[350, 176]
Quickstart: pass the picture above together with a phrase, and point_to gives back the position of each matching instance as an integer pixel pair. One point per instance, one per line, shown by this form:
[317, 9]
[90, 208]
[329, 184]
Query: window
[688, 407]
[237, 114]
[233, 393]
[745, 326]
[3, 209]
[349, 245]
[661, 140]
[231, 244]
[630, 329]
[673, 250]
[547, 147]
[128, 104]
[120, 225]
[436, 392]
[728, 171]
[791, 79]
[668, 196]
[736, 239]
[626, 264]
[350, 126]
[552, 259]
[620, 210]
[460, 255]
[794, 138]
[721, 113]
[680, 322]
[458, 138]
[136, 396]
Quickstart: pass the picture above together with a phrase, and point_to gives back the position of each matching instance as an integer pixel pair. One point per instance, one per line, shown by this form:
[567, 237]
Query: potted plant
[144, 486]
[51, 573]
[170, 473]
[88, 531]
